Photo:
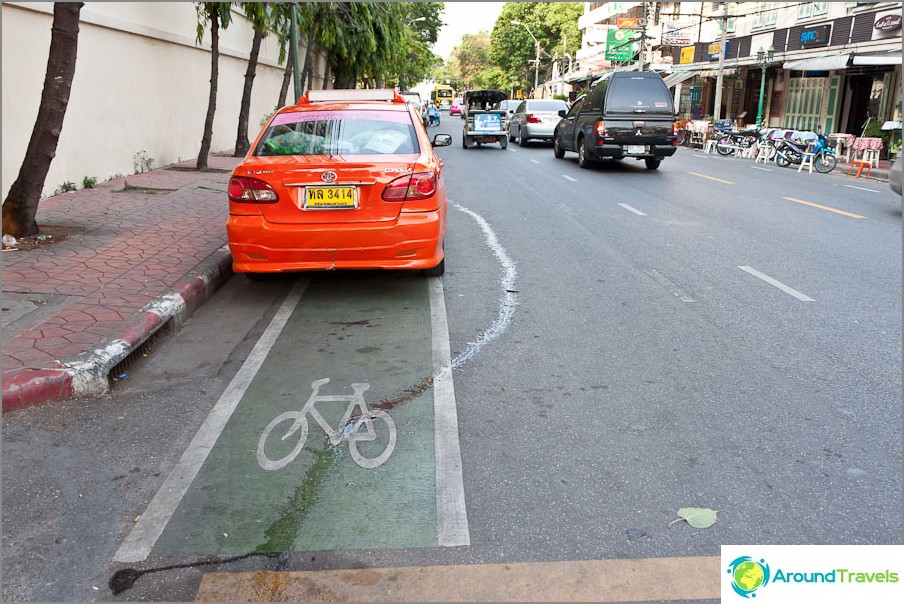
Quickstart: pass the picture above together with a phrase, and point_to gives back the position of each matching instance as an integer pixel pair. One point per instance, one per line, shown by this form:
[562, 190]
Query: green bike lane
[378, 330]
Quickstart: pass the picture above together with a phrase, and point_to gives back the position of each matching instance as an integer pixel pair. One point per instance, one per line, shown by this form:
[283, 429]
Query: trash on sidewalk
[9, 241]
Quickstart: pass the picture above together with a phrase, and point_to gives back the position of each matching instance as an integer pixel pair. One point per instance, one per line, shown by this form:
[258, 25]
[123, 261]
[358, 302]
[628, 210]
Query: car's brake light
[533, 119]
[601, 128]
[251, 190]
[410, 187]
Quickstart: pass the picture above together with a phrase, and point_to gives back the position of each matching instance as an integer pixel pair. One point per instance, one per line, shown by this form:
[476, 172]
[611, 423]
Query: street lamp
[537, 62]
[415, 20]
[764, 57]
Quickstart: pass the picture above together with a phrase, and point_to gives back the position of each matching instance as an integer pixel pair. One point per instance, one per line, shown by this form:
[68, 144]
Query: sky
[465, 18]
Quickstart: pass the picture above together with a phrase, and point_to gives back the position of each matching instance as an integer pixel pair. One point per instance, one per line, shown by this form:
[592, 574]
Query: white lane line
[535, 161]
[758, 168]
[676, 291]
[778, 284]
[140, 541]
[566, 177]
[451, 512]
[630, 209]
[862, 189]
[507, 302]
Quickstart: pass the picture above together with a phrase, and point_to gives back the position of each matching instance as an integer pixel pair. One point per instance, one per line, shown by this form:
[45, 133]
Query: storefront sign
[687, 55]
[815, 36]
[620, 45]
[888, 23]
[675, 39]
[626, 23]
[713, 51]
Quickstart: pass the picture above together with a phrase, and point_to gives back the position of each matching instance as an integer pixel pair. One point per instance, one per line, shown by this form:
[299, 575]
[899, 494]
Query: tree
[259, 17]
[217, 14]
[21, 204]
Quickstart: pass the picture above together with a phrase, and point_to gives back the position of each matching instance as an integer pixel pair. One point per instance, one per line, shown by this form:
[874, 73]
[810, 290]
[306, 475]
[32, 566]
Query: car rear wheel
[436, 271]
[583, 154]
[511, 136]
[503, 142]
[652, 164]
[522, 140]
[557, 149]
[465, 142]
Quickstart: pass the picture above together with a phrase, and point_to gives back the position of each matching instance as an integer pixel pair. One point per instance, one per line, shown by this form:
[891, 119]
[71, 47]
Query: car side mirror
[442, 140]
[561, 113]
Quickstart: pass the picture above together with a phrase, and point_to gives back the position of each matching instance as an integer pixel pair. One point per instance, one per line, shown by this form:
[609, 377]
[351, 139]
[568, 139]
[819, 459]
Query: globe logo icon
[748, 575]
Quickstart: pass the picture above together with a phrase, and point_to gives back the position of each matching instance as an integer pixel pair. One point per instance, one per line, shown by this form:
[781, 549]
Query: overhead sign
[671, 39]
[888, 23]
[814, 37]
[623, 23]
[620, 45]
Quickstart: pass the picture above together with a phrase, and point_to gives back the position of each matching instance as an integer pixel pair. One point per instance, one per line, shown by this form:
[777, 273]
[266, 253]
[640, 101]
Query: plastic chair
[860, 164]
[806, 160]
[871, 156]
[710, 146]
[762, 153]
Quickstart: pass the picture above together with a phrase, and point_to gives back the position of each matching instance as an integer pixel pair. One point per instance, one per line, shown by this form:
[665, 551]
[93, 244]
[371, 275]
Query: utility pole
[643, 38]
[296, 67]
[723, 21]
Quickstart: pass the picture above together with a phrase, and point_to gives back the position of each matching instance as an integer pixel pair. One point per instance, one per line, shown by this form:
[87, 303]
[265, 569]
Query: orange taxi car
[344, 179]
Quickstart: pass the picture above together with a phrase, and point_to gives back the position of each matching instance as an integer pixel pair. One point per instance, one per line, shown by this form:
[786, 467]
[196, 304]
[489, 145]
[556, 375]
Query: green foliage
[89, 182]
[210, 10]
[66, 187]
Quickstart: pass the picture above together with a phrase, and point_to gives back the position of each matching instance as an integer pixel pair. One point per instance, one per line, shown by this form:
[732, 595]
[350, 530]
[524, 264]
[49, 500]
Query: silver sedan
[535, 119]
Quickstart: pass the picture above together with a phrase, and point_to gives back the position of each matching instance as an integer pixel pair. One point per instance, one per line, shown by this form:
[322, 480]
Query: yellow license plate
[330, 197]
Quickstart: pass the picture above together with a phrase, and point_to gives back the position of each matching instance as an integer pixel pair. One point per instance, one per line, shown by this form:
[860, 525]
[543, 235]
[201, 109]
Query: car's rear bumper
[539, 131]
[413, 241]
[615, 150]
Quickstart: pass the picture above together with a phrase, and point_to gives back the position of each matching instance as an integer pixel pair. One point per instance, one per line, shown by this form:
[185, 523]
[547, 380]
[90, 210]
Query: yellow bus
[442, 95]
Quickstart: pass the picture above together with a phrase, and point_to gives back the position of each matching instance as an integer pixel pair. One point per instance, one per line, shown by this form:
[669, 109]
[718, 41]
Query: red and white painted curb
[87, 374]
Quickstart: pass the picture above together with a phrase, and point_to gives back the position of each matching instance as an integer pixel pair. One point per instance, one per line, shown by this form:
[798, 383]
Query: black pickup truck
[625, 114]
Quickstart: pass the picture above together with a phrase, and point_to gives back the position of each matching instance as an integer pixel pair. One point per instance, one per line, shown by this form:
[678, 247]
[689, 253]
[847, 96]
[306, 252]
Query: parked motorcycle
[730, 141]
[789, 152]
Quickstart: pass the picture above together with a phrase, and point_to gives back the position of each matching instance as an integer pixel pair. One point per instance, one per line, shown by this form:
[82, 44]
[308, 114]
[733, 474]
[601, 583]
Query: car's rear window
[639, 93]
[348, 132]
[546, 105]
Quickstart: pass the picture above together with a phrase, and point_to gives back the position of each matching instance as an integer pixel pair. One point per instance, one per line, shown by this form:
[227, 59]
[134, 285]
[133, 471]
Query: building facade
[834, 66]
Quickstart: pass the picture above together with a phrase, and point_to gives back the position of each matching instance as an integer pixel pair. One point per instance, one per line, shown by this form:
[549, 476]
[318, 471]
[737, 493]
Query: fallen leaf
[696, 517]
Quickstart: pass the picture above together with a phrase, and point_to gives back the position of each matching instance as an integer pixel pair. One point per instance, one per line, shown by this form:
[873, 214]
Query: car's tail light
[251, 190]
[533, 119]
[601, 128]
[410, 187]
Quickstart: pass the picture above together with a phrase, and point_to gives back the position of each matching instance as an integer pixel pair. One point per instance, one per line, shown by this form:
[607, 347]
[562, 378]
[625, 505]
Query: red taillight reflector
[601, 128]
[533, 119]
[251, 190]
[409, 187]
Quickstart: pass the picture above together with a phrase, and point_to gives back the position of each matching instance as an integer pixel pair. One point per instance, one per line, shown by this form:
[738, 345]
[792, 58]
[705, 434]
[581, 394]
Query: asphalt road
[625, 343]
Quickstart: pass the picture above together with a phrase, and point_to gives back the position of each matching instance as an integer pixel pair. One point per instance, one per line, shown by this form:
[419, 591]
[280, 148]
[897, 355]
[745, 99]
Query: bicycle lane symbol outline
[349, 428]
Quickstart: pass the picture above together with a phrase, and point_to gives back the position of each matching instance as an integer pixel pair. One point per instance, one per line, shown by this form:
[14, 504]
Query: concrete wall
[141, 85]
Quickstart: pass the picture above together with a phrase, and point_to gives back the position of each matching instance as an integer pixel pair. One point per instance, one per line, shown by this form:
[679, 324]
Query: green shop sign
[620, 45]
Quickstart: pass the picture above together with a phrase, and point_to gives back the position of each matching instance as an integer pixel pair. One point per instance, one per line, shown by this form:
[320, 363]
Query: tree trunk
[307, 73]
[212, 100]
[286, 78]
[21, 204]
[326, 72]
[241, 139]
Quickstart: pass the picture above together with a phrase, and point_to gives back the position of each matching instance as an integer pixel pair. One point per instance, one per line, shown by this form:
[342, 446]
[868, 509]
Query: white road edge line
[535, 161]
[451, 512]
[566, 177]
[676, 291]
[778, 284]
[758, 168]
[630, 209]
[861, 189]
[138, 544]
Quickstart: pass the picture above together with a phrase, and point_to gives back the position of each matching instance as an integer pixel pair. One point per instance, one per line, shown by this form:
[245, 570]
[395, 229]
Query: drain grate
[119, 371]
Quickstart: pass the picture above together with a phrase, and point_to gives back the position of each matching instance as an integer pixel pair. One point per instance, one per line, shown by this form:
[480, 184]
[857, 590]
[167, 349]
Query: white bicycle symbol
[348, 427]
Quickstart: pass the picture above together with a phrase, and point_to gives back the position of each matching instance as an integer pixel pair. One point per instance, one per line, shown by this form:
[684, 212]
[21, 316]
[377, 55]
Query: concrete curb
[87, 373]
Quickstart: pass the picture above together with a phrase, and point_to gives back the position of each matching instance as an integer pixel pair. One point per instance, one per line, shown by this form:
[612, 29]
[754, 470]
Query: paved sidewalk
[121, 261]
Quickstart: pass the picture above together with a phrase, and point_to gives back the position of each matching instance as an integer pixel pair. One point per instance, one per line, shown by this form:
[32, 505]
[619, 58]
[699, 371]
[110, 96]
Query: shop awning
[834, 62]
[880, 59]
[673, 79]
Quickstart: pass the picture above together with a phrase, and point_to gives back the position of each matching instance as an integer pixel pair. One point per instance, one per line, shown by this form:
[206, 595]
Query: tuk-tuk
[484, 122]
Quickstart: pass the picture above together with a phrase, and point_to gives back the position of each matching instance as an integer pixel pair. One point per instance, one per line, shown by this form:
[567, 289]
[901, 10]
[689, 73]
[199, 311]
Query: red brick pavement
[135, 238]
